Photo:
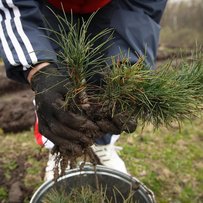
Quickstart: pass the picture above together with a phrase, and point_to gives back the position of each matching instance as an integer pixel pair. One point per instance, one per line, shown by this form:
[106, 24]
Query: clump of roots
[69, 159]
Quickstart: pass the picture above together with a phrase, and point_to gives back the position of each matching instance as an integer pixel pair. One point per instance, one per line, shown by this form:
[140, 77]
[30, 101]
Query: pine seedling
[81, 55]
[87, 194]
[154, 96]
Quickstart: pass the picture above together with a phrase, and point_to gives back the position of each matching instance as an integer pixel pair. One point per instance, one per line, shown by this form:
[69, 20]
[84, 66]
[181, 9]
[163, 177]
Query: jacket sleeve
[22, 41]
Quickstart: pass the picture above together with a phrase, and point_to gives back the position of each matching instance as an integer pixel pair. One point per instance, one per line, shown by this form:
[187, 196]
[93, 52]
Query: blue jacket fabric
[23, 43]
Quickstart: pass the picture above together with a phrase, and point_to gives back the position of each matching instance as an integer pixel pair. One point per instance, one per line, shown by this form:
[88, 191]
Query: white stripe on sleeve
[13, 38]
[21, 32]
[6, 47]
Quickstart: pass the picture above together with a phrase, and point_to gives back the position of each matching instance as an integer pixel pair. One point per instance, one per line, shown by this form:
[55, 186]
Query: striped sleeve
[22, 41]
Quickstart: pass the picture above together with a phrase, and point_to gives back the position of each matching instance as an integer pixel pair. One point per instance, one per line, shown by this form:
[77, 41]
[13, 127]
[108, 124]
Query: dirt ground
[16, 115]
[16, 108]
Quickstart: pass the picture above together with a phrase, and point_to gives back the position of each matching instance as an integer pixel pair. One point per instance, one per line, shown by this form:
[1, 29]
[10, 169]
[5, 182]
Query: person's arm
[23, 43]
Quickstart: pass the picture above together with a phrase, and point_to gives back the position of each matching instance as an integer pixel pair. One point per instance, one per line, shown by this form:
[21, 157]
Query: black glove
[125, 122]
[117, 124]
[55, 122]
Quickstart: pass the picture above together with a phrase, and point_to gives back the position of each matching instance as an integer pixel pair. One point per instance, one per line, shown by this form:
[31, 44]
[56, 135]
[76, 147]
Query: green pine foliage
[159, 96]
[155, 96]
[85, 194]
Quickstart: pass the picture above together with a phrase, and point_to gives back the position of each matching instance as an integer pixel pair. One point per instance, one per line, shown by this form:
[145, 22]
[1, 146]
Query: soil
[15, 185]
[16, 108]
[18, 183]
[16, 115]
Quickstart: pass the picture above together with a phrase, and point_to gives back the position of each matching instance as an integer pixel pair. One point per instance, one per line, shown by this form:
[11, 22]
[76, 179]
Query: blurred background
[182, 24]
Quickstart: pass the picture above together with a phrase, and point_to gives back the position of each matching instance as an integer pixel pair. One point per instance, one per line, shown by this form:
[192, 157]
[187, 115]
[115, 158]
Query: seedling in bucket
[103, 185]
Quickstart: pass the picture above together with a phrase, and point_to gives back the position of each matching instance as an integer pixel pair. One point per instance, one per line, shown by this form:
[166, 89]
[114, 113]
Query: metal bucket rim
[89, 169]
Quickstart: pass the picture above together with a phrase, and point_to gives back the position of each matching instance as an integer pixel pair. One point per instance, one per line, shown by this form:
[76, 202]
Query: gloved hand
[55, 122]
[118, 124]
[127, 123]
